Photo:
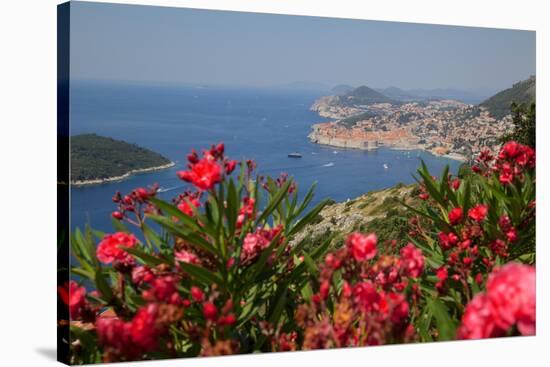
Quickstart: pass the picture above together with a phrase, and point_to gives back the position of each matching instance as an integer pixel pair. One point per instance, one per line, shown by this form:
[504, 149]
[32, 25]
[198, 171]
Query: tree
[524, 119]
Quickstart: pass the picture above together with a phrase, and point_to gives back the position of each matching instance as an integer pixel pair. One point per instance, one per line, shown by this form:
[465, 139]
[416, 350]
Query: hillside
[364, 95]
[377, 211]
[521, 92]
[96, 158]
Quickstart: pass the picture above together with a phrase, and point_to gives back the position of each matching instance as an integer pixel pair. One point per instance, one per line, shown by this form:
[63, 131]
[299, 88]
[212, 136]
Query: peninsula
[97, 159]
[364, 118]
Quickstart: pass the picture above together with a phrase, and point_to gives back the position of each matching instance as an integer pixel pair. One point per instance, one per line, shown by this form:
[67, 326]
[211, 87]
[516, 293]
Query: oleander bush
[216, 271]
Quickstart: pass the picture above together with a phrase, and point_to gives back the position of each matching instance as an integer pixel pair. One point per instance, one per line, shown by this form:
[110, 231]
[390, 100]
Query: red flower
[188, 204]
[412, 261]
[362, 247]
[204, 174]
[455, 184]
[442, 273]
[446, 241]
[197, 294]
[117, 215]
[455, 216]
[478, 213]
[73, 296]
[512, 235]
[144, 330]
[142, 274]
[109, 249]
[209, 311]
[227, 320]
[506, 174]
[510, 150]
[324, 289]
[230, 166]
[163, 289]
[131, 339]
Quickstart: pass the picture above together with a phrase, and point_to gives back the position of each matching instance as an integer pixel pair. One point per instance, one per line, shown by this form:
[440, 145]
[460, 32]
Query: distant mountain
[419, 94]
[364, 95]
[447, 93]
[521, 92]
[342, 89]
[397, 93]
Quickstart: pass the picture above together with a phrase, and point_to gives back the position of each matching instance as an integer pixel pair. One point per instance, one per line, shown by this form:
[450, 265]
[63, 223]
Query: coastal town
[446, 127]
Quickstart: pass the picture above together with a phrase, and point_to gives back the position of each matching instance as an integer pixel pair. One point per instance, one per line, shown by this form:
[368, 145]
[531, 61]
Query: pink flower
[412, 261]
[510, 301]
[362, 247]
[187, 257]
[142, 274]
[512, 292]
[455, 216]
[478, 213]
[110, 248]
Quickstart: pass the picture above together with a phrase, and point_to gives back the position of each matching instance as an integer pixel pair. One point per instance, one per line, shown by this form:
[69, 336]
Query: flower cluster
[129, 340]
[110, 249]
[510, 301]
[232, 277]
[136, 202]
[510, 164]
[207, 171]
[256, 242]
[371, 306]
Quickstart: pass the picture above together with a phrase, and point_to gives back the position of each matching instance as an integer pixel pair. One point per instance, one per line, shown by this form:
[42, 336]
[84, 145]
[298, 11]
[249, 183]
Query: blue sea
[260, 124]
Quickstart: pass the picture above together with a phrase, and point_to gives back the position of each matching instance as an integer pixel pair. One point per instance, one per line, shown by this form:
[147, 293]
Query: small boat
[330, 164]
[386, 166]
[294, 155]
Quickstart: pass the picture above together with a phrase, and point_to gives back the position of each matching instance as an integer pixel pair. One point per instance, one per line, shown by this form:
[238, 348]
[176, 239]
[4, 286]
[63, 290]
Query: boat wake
[172, 188]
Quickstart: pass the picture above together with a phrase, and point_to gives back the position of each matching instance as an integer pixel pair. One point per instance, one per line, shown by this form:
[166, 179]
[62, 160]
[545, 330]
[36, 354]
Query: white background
[28, 181]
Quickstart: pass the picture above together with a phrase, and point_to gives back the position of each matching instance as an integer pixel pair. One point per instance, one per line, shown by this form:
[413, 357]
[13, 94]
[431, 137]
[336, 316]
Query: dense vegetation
[227, 273]
[350, 121]
[524, 118]
[98, 157]
[522, 92]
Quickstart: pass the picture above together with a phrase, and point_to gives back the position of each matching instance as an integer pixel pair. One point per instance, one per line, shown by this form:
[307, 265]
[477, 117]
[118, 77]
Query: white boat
[386, 166]
[330, 164]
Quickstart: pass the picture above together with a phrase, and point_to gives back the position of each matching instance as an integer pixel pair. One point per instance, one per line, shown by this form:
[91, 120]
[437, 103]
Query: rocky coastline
[99, 181]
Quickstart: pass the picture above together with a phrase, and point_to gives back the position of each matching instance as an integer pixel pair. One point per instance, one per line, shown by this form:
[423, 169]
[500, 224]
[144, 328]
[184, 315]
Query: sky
[176, 45]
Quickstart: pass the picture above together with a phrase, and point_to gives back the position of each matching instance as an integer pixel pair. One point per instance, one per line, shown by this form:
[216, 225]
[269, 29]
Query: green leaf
[192, 237]
[274, 202]
[445, 325]
[201, 274]
[144, 257]
[102, 286]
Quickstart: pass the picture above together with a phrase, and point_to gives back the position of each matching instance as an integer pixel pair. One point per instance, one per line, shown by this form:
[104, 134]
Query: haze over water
[260, 124]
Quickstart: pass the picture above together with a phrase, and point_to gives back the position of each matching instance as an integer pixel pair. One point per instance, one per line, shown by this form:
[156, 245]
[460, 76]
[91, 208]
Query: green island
[97, 159]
